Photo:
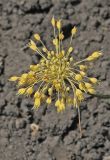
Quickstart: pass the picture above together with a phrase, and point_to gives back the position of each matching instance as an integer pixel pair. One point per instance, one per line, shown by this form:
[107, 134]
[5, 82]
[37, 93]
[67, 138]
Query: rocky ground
[54, 136]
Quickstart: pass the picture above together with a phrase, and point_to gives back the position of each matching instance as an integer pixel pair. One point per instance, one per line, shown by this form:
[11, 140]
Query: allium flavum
[57, 73]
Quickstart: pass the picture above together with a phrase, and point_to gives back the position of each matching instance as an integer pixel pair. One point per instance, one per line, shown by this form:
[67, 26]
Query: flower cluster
[57, 73]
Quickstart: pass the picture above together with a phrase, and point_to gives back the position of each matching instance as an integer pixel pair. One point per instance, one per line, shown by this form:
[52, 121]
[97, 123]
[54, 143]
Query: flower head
[57, 73]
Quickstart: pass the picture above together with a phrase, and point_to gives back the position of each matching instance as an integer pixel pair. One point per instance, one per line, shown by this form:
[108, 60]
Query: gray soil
[58, 136]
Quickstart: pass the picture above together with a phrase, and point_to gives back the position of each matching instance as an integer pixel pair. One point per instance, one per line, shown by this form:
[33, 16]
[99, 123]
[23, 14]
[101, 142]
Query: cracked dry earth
[55, 136]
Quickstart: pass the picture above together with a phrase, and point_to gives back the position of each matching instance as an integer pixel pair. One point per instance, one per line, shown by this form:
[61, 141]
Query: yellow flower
[94, 56]
[82, 67]
[79, 94]
[78, 77]
[74, 30]
[21, 91]
[57, 103]
[82, 73]
[70, 49]
[33, 67]
[49, 100]
[55, 42]
[57, 72]
[32, 45]
[37, 37]
[88, 85]
[91, 90]
[93, 80]
[50, 90]
[13, 78]
[53, 21]
[82, 86]
[37, 103]
[59, 24]
[61, 36]
[37, 95]
[44, 49]
[60, 106]
[29, 91]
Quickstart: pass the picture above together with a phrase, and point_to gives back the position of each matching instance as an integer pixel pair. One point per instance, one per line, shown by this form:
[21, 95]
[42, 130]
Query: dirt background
[58, 135]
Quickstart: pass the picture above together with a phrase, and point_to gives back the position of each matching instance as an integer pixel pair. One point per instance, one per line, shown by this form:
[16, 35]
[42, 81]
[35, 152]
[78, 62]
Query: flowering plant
[57, 72]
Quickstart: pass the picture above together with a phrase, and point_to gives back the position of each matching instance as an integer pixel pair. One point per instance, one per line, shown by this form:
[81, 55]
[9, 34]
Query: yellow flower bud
[21, 91]
[61, 36]
[48, 100]
[74, 30]
[88, 85]
[53, 21]
[96, 54]
[13, 78]
[82, 86]
[59, 24]
[29, 91]
[37, 103]
[37, 37]
[70, 49]
[91, 90]
[55, 42]
[50, 90]
[82, 73]
[57, 86]
[24, 76]
[57, 103]
[37, 95]
[78, 92]
[33, 67]
[82, 67]
[32, 45]
[79, 95]
[61, 106]
[93, 80]
[78, 77]
[90, 58]
[44, 49]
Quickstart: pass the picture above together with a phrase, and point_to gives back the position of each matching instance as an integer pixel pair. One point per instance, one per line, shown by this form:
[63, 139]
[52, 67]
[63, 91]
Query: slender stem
[59, 41]
[38, 51]
[43, 44]
[71, 40]
[79, 119]
[79, 62]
